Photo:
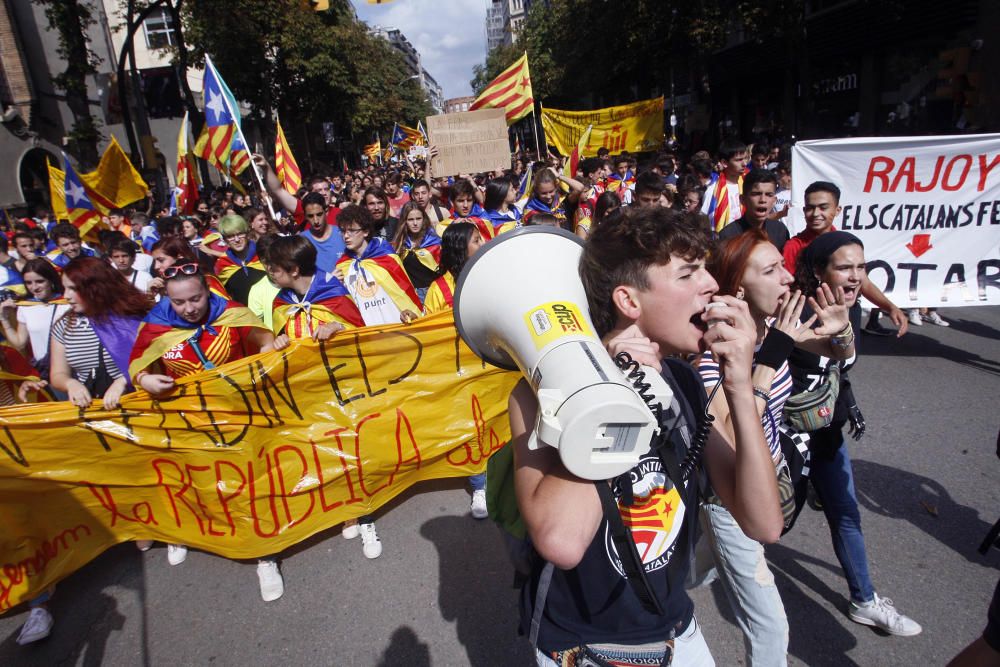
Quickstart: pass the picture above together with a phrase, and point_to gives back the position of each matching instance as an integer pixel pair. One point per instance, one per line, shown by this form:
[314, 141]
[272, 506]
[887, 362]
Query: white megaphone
[520, 304]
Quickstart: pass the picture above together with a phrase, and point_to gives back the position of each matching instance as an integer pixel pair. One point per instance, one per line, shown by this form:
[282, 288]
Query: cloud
[450, 35]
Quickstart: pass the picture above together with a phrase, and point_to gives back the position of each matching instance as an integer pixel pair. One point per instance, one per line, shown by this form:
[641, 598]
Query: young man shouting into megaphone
[648, 293]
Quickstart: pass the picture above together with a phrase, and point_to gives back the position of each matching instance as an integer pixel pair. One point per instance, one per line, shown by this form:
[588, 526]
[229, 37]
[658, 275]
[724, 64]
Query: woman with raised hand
[750, 268]
[546, 196]
[836, 261]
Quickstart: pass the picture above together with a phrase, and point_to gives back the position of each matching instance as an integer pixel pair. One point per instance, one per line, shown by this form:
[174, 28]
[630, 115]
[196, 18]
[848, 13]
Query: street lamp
[409, 78]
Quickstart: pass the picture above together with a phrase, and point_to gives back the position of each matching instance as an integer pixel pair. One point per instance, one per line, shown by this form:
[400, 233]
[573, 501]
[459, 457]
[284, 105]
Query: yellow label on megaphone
[554, 320]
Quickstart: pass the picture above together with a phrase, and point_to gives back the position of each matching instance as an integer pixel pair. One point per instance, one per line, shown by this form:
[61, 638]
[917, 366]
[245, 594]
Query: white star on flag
[216, 104]
[77, 195]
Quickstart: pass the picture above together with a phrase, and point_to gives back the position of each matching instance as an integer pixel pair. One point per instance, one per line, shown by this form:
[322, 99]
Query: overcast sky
[449, 34]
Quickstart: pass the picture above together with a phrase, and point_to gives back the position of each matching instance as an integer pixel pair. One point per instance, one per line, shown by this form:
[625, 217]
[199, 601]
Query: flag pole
[534, 126]
[256, 170]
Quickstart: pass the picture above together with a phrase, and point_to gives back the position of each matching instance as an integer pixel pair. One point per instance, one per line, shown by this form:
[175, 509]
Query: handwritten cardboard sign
[469, 141]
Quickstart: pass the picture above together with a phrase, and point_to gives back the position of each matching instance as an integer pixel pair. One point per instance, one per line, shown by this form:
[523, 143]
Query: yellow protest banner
[632, 127]
[247, 459]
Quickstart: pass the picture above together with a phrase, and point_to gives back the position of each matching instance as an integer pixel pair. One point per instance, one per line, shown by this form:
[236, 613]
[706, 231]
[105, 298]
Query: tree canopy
[310, 66]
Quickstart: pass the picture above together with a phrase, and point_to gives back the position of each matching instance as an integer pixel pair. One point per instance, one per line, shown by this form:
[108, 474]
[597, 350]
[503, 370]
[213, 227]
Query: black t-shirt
[419, 273]
[593, 602]
[776, 231]
[239, 284]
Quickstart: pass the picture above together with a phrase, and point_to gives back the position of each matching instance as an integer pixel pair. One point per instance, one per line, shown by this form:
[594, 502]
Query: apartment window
[159, 29]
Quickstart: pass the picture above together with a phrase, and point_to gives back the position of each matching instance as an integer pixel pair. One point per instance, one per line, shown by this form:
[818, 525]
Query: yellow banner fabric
[247, 459]
[633, 127]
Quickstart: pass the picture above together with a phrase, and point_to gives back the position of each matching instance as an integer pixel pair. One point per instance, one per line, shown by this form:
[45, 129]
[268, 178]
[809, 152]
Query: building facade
[504, 20]
[456, 104]
[395, 37]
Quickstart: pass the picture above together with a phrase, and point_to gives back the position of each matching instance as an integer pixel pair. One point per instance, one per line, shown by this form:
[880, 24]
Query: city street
[928, 482]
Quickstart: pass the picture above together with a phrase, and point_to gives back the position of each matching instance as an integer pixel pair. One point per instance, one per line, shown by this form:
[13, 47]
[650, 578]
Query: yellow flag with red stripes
[284, 163]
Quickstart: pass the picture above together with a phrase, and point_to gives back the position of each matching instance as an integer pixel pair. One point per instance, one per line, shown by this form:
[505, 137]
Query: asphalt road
[928, 481]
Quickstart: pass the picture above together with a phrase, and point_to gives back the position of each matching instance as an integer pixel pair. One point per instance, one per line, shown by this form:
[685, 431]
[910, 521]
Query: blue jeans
[833, 480]
[750, 588]
[478, 482]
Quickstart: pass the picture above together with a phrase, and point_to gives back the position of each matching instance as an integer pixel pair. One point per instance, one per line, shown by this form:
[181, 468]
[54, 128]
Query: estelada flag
[163, 329]
[285, 165]
[80, 210]
[227, 265]
[186, 190]
[404, 137]
[215, 142]
[326, 300]
[511, 91]
[114, 184]
[239, 156]
[384, 267]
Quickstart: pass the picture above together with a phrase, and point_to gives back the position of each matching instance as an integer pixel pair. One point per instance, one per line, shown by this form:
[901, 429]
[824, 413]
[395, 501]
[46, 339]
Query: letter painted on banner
[250, 458]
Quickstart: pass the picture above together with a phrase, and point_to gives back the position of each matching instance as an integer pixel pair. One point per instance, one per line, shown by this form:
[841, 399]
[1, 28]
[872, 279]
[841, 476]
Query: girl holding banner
[192, 330]
[461, 241]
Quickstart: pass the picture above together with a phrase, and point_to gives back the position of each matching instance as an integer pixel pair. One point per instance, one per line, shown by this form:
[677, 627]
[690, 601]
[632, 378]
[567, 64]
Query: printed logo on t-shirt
[655, 518]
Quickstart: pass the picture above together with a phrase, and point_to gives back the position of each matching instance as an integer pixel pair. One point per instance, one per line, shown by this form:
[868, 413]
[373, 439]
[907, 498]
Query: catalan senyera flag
[216, 139]
[574, 158]
[632, 127]
[114, 184]
[80, 210]
[511, 91]
[186, 190]
[404, 137]
[285, 165]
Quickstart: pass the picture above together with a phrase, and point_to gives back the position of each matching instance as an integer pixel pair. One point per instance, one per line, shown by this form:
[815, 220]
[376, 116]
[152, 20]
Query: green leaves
[306, 65]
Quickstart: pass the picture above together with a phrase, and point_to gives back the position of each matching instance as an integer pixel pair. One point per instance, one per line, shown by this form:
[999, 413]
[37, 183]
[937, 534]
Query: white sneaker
[934, 318]
[350, 529]
[176, 553]
[272, 586]
[882, 614]
[479, 510]
[914, 316]
[370, 544]
[38, 626]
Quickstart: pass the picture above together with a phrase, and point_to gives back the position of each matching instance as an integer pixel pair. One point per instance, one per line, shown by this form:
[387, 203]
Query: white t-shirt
[39, 320]
[374, 303]
[140, 279]
[143, 262]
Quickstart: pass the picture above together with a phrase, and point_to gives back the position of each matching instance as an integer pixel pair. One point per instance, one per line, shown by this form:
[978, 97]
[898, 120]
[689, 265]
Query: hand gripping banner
[247, 459]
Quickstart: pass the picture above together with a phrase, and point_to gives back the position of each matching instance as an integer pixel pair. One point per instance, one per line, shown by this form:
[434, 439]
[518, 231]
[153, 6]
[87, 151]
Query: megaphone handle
[634, 372]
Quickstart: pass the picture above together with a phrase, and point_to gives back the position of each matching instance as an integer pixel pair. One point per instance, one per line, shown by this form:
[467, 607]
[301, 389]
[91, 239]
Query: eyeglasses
[189, 269]
[352, 230]
[236, 237]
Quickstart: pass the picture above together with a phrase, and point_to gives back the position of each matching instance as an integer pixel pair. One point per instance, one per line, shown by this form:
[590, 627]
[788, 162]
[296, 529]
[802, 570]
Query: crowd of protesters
[384, 244]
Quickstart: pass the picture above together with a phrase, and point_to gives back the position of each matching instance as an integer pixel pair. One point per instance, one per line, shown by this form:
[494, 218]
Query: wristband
[761, 393]
[775, 349]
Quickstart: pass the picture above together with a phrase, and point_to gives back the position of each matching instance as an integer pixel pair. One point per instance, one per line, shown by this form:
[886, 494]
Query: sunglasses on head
[189, 269]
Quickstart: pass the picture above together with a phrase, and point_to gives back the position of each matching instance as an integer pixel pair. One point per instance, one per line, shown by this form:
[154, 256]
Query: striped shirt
[781, 389]
[82, 347]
